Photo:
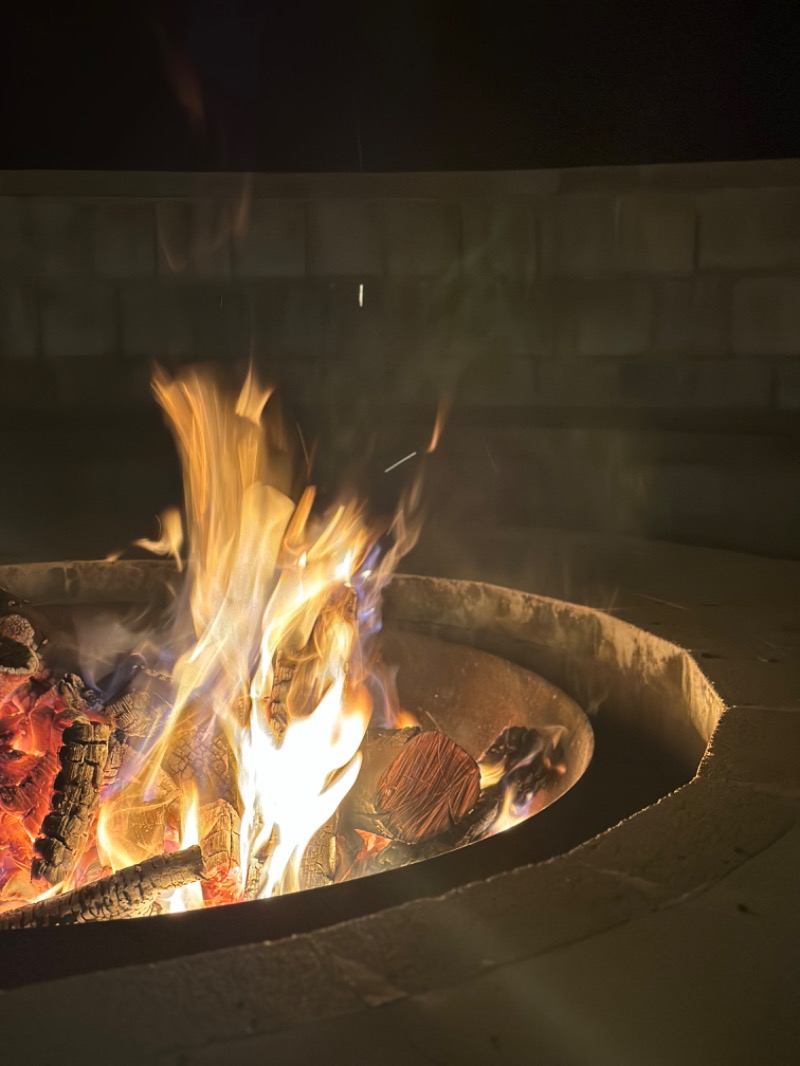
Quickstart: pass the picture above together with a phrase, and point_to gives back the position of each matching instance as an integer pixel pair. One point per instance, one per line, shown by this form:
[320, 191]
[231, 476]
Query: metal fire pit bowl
[467, 653]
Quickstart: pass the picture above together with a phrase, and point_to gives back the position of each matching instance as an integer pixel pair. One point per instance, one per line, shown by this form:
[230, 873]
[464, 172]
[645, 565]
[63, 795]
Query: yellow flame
[268, 581]
[188, 897]
[171, 540]
[443, 410]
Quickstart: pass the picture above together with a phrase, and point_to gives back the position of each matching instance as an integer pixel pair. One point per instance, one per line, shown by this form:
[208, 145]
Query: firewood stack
[96, 739]
[418, 794]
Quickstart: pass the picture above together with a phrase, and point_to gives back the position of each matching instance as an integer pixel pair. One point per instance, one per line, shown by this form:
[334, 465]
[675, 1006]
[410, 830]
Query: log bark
[128, 893]
[76, 794]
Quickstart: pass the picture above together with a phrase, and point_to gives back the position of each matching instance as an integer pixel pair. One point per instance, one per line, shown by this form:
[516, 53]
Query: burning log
[520, 764]
[76, 793]
[295, 674]
[515, 768]
[18, 656]
[128, 893]
[428, 789]
[219, 836]
[203, 760]
[320, 859]
[133, 716]
[23, 797]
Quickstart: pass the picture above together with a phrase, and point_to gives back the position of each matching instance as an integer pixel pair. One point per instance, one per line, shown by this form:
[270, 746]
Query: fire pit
[172, 746]
[448, 690]
[648, 733]
[242, 737]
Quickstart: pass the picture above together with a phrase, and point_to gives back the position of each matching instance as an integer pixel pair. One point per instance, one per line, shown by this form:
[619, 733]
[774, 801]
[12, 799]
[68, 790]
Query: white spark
[400, 462]
[361, 295]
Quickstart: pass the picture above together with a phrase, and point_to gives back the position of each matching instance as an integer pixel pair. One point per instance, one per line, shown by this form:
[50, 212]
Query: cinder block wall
[623, 344]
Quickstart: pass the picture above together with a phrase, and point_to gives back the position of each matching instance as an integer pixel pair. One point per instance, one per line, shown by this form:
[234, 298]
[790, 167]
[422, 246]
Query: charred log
[520, 765]
[76, 793]
[204, 761]
[19, 659]
[219, 836]
[296, 675]
[319, 861]
[23, 797]
[128, 893]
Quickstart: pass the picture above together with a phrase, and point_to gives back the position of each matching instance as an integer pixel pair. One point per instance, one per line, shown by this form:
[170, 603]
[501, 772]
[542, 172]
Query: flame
[511, 813]
[403, 719]
[171, 540]
[274, 636]
[443, 410]
[188, 897]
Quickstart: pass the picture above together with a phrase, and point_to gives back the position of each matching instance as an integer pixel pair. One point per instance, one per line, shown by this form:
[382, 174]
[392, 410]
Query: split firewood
[379, 749]
[427, 789]
[76, 794]
[19, 660]
[128, 893]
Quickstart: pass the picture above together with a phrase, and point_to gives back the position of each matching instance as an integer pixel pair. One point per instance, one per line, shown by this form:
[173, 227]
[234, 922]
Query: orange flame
[266, 579]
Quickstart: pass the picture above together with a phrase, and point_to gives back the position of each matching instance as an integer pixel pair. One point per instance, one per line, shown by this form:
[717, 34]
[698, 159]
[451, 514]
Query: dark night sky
[409, 84]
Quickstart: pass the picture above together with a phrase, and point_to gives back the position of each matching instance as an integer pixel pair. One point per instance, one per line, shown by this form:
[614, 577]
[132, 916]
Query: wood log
[203, 761]
[19, 660]
[76, 794]
[128, 893]
[427, 789]
[296, 687]
[520, 764]
[319, 860]
[23, 797]
[219, 836]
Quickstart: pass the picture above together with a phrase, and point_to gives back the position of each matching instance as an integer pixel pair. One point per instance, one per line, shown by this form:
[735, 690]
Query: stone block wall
[623, 343]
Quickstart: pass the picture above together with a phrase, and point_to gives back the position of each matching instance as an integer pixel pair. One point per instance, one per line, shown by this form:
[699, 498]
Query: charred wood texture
[18, 656]
[76, 793]
[133, 718]
[219, 836]
[128, 893]
[203, 760]
[428, 788]
[296, 672]
[23, 797]
[520, 764]
[319, 861]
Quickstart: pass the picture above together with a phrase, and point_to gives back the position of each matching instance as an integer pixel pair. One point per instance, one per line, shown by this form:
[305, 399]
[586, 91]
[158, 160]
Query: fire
[188, 897]
[274, 637]
[225, 774]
